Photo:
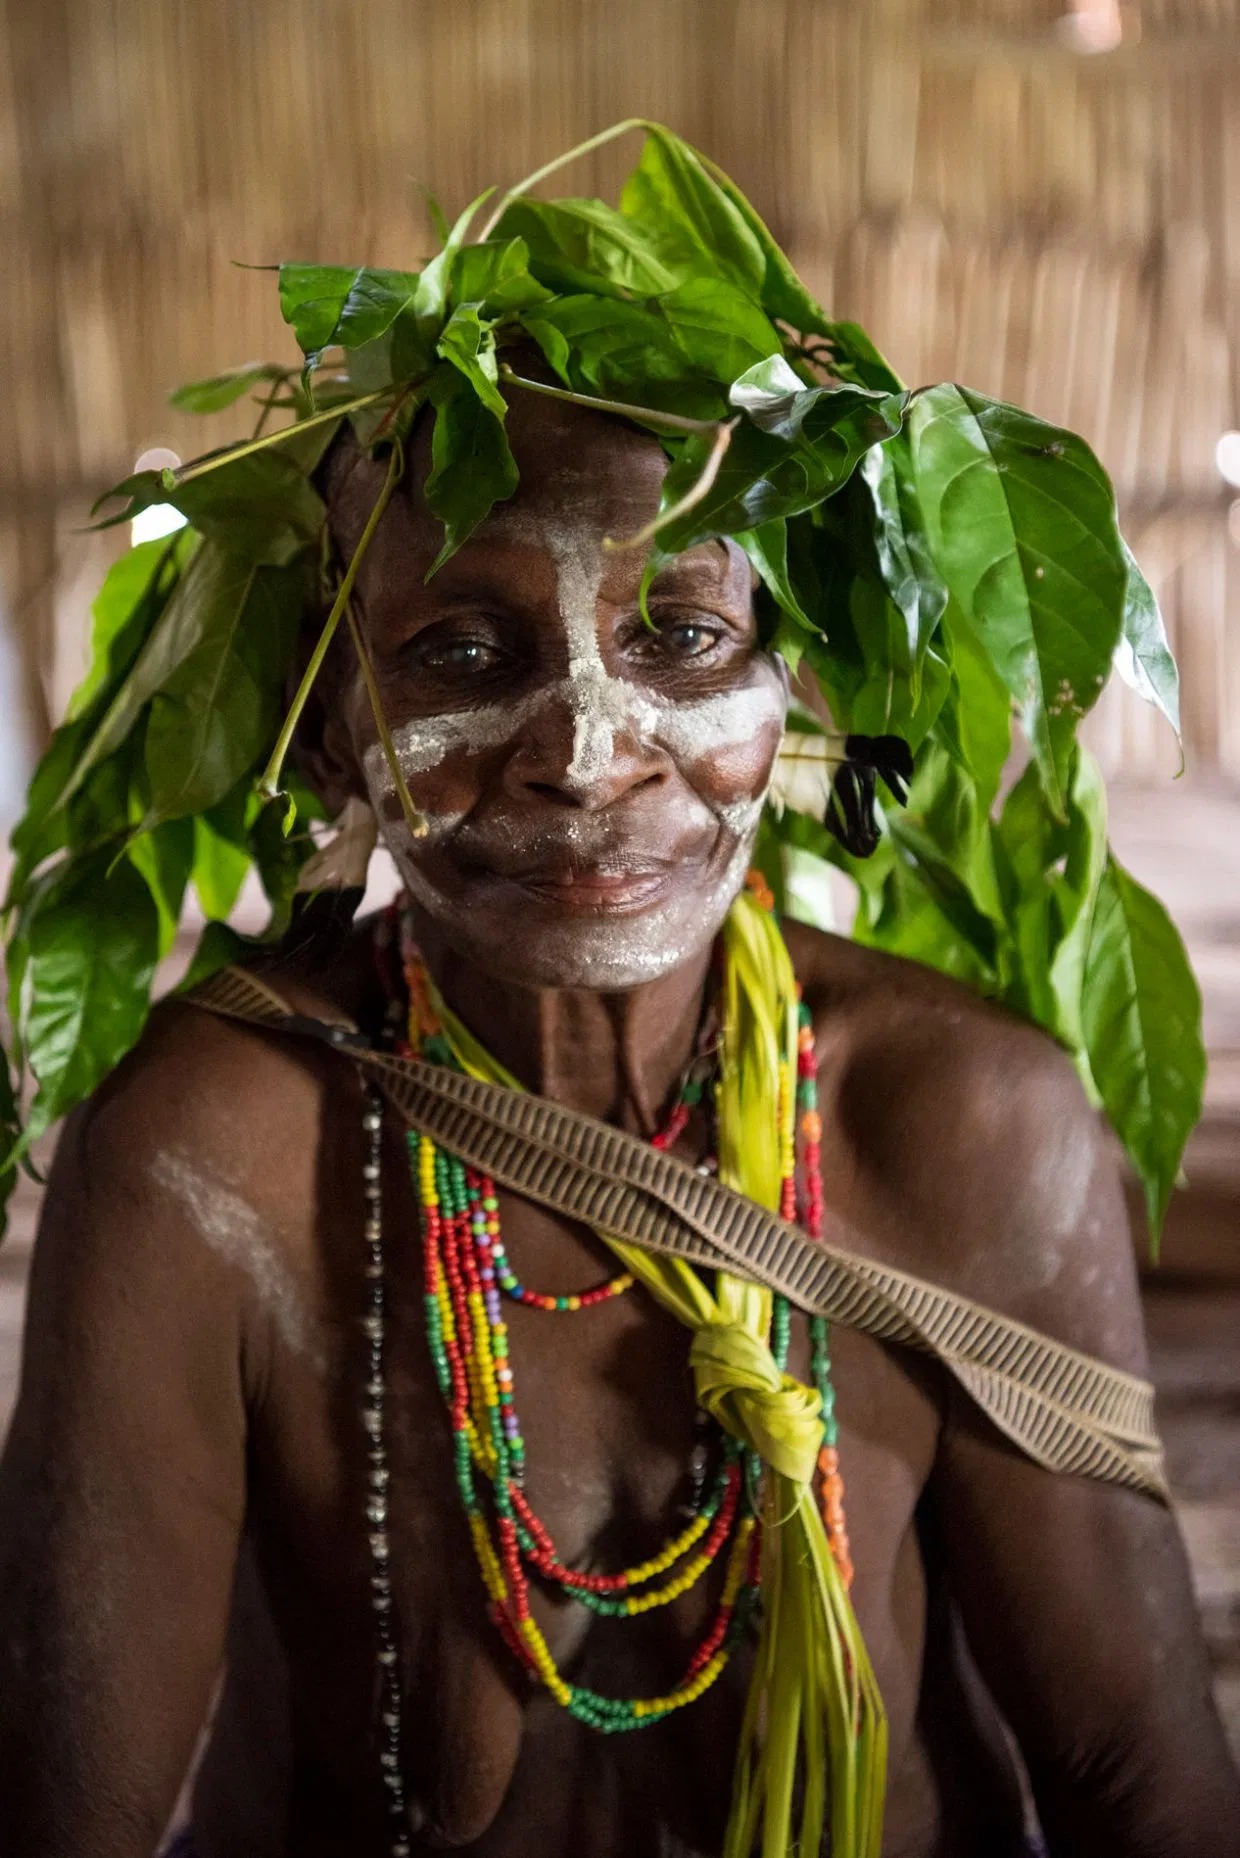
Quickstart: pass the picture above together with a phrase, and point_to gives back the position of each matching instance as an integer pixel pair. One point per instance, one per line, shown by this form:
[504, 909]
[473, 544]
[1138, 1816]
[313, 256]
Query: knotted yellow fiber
[737, 1380]
[813, 1715]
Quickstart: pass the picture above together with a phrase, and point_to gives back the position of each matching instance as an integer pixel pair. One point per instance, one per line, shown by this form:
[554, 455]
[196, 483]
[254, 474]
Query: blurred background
[1036, 197]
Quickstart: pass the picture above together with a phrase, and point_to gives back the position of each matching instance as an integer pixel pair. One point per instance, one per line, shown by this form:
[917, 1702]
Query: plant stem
[648, 415]
[692, 497]
[561, 161]
[268, 783]
[413, 819]
[259, 444]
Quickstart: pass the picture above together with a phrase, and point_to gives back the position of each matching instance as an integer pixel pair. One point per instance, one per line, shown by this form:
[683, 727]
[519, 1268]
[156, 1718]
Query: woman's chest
[617, 1467]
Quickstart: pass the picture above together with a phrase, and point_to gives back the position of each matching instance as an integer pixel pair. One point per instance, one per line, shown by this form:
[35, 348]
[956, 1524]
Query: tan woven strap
[1066, 1410]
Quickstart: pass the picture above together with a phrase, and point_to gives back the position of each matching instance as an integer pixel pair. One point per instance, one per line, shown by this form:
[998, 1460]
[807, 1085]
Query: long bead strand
[374, 1418]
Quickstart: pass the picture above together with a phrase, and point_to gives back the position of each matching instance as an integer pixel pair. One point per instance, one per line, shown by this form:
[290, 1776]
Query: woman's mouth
[598, 891]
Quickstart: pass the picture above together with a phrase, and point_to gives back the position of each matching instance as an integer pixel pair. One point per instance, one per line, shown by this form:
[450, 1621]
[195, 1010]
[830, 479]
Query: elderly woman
[439, 1627]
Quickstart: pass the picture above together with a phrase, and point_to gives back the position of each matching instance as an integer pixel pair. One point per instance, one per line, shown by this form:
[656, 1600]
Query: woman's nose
[585, 745]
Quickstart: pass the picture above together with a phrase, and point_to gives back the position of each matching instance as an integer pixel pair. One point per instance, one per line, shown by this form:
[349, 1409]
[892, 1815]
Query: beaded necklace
[467, 1274]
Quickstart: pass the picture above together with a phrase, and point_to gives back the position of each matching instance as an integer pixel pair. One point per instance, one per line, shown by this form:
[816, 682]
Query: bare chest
[613, 1442]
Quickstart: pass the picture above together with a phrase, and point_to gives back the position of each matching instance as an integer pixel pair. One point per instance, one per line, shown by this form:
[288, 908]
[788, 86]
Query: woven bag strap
[1064, 1409]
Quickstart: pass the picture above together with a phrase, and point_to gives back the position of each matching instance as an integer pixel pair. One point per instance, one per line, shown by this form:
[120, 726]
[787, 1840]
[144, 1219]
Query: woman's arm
[122, 1488]
[1076, 1595]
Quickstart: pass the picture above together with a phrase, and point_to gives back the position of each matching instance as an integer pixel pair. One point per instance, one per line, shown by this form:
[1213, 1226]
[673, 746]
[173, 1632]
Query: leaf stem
[260, 443]
[648, 415]
[561, 161]
[692, 497]
[413, 819]
[268, 785]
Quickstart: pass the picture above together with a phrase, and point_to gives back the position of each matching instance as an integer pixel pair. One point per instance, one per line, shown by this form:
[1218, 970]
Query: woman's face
[592, 787]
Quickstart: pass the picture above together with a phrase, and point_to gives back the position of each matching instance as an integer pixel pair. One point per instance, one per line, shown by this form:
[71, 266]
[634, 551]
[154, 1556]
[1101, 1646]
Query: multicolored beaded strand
[812, 1220]
[466, 1272]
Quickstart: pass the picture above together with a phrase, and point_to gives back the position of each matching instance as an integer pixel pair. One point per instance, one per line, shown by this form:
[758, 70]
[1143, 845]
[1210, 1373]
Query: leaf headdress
[932, 561]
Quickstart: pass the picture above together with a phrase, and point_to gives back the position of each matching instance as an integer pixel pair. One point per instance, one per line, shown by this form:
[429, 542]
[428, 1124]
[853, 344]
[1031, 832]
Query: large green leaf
[93, 945]
[691, 221]
[577, 245]
[1021, 522]
[719, 329]
[1143, 657]
[472, 466]
[133, 592]
[215, 713]
[260, 505]
[1141, 1016]
[975, 722]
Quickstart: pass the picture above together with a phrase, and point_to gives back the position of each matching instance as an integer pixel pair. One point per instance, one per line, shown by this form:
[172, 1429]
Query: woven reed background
[996, 208]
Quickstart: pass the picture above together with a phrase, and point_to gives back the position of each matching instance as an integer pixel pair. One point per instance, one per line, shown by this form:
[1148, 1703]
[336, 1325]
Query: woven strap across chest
[1065, 1410]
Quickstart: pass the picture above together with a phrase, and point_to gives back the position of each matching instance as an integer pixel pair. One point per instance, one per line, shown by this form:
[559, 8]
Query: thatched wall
[1059, 229]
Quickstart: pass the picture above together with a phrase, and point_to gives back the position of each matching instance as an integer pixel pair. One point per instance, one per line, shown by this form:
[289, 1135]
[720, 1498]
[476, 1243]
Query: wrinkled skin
[194, 1358]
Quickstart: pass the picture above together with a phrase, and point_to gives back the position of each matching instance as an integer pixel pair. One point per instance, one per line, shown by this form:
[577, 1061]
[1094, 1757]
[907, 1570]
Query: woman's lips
[598, 892]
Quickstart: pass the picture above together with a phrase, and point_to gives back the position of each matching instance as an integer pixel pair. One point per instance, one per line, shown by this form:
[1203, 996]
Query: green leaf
[430, 302]
[130, 602]
[472, 467]
[975, 722]
[469, 345]
[344, 304]
[1141, 1014]
[1021, 524]
[222, 856]
[279, 852]
[171, 639]
[694, 226]
[10, 1133]
[164, 857]
[767, 472]
[223, 390]
[623, 351]
[133, 593]
[260, 505]
[216, 711]
[496, 274]
[903, 558]
[584, 245]
[767, 549]
[718, 328]
[1143, 657]
[94, 943]
[785, 298]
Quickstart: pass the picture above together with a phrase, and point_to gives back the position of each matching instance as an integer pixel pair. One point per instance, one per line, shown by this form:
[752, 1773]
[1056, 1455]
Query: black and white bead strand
[374, 1418]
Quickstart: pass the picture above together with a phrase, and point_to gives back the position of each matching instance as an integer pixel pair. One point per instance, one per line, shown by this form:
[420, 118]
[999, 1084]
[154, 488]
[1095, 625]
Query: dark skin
[192, 1377]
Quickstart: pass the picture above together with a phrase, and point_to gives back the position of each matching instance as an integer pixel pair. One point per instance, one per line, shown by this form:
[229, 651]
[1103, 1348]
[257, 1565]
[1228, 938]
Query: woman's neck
[617, 1056]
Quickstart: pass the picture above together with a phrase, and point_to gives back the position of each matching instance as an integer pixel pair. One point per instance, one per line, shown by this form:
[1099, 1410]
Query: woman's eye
[459, 655]
[689, 638]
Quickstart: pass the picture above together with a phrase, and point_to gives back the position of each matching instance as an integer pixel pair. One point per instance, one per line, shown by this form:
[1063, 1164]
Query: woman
[292, 1366]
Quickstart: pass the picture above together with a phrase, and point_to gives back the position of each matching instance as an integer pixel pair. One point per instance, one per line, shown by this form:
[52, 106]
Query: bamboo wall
[994, 206]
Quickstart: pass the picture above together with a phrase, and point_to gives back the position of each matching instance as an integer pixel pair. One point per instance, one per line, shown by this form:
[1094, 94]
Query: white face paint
[235, 1233]
[627, 948]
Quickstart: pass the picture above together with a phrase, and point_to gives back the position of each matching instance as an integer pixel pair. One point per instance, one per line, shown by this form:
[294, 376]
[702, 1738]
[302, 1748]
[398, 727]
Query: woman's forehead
[584, 479]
